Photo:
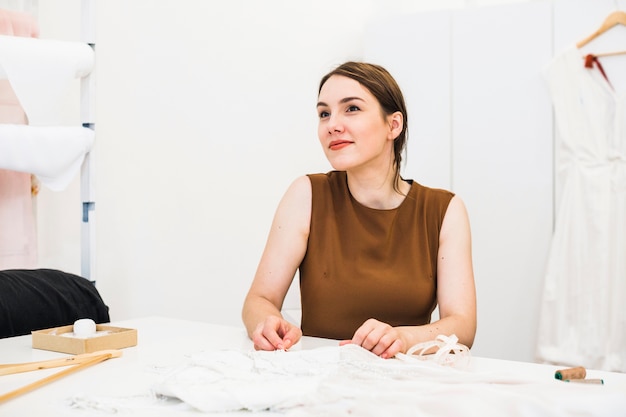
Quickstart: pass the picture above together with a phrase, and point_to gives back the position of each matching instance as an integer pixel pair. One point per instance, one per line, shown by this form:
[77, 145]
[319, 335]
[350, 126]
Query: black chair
[35, 299]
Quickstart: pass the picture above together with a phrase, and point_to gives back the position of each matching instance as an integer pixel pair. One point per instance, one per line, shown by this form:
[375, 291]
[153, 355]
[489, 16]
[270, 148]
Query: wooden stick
[613, 19]
[26, 388]
[601, 54]
[15, 368]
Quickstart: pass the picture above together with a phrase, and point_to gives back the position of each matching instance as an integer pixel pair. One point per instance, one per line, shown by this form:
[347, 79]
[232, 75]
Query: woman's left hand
[379, 338]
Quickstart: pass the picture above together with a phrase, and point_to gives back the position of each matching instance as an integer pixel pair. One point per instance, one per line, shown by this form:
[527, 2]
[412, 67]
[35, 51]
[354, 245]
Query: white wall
[205, 114]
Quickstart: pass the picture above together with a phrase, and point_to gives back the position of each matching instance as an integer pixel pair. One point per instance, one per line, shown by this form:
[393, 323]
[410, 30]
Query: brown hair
[384, 87]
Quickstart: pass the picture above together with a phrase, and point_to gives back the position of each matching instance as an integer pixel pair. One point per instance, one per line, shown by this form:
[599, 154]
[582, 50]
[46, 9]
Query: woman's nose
[334, 124]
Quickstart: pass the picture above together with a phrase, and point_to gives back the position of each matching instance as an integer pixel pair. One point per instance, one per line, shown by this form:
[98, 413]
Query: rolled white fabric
[41, 72]
[53, 154]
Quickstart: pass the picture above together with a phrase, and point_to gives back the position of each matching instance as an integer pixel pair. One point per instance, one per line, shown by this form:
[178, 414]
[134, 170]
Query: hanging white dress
[583, 317]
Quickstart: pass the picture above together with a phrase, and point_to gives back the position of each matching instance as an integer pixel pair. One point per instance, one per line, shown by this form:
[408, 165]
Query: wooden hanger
[615, 18]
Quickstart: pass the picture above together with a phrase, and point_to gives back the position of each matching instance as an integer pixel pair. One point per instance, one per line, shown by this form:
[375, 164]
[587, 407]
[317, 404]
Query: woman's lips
[338, 144]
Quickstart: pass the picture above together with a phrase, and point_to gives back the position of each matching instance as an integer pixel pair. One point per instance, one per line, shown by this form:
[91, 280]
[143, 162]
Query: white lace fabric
[448, 352]
[349, 380]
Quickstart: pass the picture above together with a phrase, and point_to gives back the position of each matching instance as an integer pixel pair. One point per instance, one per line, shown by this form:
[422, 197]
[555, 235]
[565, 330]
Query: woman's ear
[396, 123]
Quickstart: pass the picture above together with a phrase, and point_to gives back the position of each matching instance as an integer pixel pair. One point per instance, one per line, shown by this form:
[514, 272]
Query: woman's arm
[456, 291]
[284, 251]
[456, 294]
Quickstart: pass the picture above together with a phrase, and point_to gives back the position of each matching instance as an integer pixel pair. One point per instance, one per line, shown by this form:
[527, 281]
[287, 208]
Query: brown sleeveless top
[366, 263]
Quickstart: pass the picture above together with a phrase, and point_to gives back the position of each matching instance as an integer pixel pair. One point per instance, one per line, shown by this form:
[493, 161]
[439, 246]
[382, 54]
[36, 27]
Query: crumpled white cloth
[349, 380]
[54, 154]
[254, 380]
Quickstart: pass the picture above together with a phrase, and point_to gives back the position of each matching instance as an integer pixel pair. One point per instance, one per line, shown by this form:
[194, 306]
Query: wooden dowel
[601, 54]
[54, 377]
[15, 368]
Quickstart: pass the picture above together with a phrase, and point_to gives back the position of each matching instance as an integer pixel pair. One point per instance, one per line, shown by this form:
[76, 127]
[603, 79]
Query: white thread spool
[84, 327]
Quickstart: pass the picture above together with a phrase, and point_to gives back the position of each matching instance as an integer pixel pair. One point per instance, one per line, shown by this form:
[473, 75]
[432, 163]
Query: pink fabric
[18, 24]
[18, 239]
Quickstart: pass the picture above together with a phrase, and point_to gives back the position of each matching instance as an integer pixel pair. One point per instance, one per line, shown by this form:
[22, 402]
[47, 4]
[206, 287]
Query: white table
[164, 342]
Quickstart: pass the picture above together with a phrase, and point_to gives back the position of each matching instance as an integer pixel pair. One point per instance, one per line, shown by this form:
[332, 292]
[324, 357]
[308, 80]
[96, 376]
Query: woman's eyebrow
[342, 101]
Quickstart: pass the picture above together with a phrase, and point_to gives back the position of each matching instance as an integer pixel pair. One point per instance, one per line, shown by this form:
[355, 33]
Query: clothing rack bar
[88, 197]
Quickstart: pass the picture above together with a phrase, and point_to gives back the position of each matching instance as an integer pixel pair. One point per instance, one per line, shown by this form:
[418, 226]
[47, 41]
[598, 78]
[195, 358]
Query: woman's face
[352, 129]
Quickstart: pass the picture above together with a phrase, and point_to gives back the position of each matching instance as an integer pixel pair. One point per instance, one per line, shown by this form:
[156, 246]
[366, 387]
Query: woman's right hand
[275, 333]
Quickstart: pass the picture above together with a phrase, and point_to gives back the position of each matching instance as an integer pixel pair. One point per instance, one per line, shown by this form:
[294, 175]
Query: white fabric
[41, 72]
[348, 381]
[583, 318]
[54, 154]
[448, 352]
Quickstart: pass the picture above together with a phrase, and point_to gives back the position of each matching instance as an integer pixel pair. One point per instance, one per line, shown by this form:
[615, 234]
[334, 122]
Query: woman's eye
[353, 108]
[324, 114]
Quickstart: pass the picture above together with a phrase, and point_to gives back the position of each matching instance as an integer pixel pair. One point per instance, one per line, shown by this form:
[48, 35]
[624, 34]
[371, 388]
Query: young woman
[376, 253]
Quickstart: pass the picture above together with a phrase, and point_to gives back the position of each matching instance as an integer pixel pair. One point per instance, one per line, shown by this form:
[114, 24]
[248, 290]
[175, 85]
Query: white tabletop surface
[164, 342]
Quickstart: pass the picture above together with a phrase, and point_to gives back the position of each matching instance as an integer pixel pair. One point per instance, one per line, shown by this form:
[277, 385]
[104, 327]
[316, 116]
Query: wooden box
[61, 339]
